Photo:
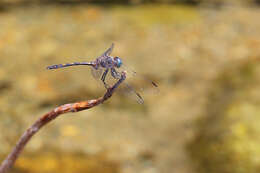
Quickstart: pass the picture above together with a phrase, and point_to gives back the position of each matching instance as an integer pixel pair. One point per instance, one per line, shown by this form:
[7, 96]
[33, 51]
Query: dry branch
[46, 118]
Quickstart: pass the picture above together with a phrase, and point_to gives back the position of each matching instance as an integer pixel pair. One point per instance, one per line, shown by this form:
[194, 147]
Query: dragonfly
[106, 63]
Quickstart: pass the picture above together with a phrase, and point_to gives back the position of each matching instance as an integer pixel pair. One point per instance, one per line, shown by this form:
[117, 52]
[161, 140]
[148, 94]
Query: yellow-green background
[204, 55]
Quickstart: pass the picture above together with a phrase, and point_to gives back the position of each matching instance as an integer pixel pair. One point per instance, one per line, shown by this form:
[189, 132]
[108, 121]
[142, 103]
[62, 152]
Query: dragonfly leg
[103, 78]
[115, 74]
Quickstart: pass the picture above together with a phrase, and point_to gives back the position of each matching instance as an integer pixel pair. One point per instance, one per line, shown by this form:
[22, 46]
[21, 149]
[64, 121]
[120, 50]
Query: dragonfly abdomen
[56, 66]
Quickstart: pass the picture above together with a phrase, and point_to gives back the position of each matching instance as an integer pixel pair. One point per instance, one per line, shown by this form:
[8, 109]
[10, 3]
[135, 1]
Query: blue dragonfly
[105, 63]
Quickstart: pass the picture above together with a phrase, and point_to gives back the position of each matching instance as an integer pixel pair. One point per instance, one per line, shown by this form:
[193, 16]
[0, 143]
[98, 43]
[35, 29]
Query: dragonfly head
[118, 61]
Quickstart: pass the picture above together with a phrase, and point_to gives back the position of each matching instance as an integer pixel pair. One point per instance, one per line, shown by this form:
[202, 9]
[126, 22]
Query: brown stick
[71, 107]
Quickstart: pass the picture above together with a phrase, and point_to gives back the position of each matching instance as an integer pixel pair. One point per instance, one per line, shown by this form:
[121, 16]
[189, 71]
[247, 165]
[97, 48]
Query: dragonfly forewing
[142, 83]
[108, 51]
[130, 90]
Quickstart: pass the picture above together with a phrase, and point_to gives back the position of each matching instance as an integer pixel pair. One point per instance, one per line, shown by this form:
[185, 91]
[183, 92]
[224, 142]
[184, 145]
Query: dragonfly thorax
[107, 62]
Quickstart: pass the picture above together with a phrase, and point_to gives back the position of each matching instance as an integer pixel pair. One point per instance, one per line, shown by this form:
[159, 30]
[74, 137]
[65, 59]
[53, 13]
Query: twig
[71, 107]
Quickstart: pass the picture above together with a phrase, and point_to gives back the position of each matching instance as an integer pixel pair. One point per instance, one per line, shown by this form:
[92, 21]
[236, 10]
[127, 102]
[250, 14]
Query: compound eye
[118, 62]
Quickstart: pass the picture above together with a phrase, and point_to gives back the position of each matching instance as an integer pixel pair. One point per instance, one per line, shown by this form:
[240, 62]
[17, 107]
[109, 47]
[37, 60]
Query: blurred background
[204, 55]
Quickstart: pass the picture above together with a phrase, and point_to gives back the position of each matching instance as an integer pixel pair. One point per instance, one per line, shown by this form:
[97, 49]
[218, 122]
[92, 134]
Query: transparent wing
[132, 86]
[108, 51]
[142, 83]
[96, 73]
[128, 89]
